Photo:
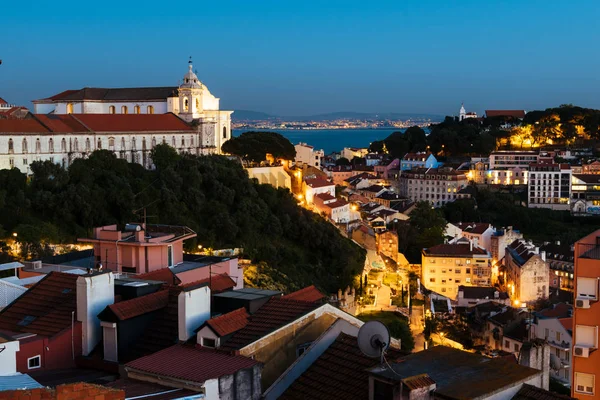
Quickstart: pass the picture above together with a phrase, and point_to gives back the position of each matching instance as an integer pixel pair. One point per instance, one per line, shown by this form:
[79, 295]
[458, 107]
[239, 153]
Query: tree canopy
[291, 246]
[254, 146]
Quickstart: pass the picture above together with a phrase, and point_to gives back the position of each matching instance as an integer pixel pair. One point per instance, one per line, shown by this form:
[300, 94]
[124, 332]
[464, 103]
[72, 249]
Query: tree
[164, 156]
[416, 138]
[358, 161]
[342, 161]
[254, 146]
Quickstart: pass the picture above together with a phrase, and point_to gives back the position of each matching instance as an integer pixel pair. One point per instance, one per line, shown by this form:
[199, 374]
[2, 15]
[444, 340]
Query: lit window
[111, 110]
[150, 109]
[70, 108]
[34, 362]
[124, 110]
[136, 109]
[584, 383]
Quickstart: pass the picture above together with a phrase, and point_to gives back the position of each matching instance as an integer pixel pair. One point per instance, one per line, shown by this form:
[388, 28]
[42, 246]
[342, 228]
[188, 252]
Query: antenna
[373, 339]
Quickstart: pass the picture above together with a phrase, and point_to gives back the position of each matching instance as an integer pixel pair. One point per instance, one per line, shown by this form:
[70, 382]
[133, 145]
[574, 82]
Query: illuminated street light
[15, 234]
[517, 302]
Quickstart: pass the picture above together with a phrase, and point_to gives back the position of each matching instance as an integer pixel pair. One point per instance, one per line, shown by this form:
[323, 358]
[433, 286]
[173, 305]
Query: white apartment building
[549, 186]
[306, 154]
[511, 159]
[435, 185]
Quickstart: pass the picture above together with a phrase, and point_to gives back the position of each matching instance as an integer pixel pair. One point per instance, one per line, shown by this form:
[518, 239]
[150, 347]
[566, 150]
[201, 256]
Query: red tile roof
[476, 228]
[44, 309]
[190, 363]
[505, 113]
[454, 250]
[217, 284]
[310, 293]
[22, 126]
[317, 183]
[339, 373]
[226, 324]
[274, 314]
[2, 101]
[567, 323]
[127, 309]
[560, 310]
[162, 275]
[61, 123]
[132, 122]
[325, 196]
[114, 94]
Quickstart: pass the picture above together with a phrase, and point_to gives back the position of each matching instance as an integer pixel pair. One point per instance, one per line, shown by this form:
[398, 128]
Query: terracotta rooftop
[505, 113]
[318, 183]
[162, 275]
[310, 293]
[325, 196]
[454, 250]
[476, 228]
[339, 373]
[44, 309]
[190, 363]
[528, 392]
[217, 283]
[567, 323]
[274, 314]
[127, 309]
[22, 126]
[114, 94]
[226, 324]
[560, 310]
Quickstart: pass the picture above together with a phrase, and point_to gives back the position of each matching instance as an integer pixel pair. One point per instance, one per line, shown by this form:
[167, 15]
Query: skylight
[27, 320]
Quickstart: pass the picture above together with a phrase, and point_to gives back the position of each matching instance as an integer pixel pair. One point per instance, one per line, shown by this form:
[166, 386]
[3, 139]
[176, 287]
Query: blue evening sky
[302, 57]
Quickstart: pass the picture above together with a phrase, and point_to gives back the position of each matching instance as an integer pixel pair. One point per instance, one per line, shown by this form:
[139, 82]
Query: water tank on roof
[133, 228]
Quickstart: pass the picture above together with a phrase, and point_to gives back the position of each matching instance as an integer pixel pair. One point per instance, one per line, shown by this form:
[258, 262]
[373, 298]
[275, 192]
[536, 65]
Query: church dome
[190, 80]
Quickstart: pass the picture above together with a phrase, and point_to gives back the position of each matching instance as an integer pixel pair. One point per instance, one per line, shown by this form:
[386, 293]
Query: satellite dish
[373, 339]
[555, 363]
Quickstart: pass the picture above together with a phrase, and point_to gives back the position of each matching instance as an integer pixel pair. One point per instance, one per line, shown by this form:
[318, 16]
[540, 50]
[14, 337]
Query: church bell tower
[190, 95]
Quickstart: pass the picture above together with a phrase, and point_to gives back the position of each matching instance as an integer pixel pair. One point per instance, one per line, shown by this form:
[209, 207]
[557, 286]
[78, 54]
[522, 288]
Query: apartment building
[585, 194]
[527, 272]
[585, 364]
[445, 267]
[418, 160]
[502, 238]
[435, 185]
[549, 186]
[307, 154]
[512, 159]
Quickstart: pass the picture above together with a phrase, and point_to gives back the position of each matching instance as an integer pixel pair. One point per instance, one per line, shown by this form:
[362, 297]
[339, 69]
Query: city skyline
[310, 58]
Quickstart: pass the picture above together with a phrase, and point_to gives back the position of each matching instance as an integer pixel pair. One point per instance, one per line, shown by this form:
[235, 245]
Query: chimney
[470, 245]
[193, 310]
[543, 255]
[94, 293]
[536, 354]
[476, 242]
[496, 294]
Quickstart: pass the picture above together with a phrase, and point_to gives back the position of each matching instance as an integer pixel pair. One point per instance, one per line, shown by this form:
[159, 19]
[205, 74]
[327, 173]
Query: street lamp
[15, 234]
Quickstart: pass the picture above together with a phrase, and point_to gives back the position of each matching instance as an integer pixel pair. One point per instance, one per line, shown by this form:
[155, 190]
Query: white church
[127, 121]
[463, 114]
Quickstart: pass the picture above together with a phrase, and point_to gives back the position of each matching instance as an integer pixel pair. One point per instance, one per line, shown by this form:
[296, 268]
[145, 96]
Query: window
[11, 162]
[587, 288]
[432, 280]
[457, 280]
[133, 144]
[468, 271]
[546, 333]
[70, 108]
[153, 142]
[76, 145]
[51, 145]
[136, 109]
[182, 141]
[557, 352]
[197, 104]
[586, 336]
[11, 146]
[516, 347]
[111, 142]
[457, 271]
[122, 143]
[25, 161]
[63, 145]
[468, 280]
[191, 140]
[99, 144]
[301, 348]
[111, 110]
[87, 144]
[170, 256]
[24, 146]
[468, 262]
[124, 110]
[225, 133]
[443, 290]
[186, 105]
[443, 271]
[507, 344]
[206, 342]
[38, 146]
[150, 110]
[558, 337]
[173, 142]
[34, 362]
[584, 383]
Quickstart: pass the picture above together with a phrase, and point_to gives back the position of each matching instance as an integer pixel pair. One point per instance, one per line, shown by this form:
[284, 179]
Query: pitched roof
[317, 182]
[22, 126]
[481, 292]
[226, 324]
[476, 228]
[2, 101]
[190, 363]
[560, 310]
[528, 392]
[567, 323]
[325, 196]
[588, 178]
[216, 283]
[274, 314]
[503, 318]
[44, 309]
[454, 250]
[115, 94]
[418, 381]
[505, 113]
[310, 293]
[162, 275]
[520, 251]
[127, 309]
[339, 373]
[132, 122]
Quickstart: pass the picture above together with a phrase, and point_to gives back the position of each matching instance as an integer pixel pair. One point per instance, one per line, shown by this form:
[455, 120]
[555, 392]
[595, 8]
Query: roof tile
[229, 323]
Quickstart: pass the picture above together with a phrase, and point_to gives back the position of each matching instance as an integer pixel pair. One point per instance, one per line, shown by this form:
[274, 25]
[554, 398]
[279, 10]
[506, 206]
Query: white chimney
[496, 294]
[94, 293]
[193, 311]
[476, 242]
[471, 245]
[543, 255]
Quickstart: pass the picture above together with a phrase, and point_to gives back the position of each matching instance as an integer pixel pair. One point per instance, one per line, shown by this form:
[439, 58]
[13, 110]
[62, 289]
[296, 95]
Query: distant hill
[246, 115]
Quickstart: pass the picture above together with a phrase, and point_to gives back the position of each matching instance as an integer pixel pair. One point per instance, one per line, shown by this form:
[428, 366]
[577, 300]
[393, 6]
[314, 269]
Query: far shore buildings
[126, 121]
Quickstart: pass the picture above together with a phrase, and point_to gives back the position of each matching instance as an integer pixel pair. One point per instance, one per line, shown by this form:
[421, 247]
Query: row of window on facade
[75, 143]
[113, 109]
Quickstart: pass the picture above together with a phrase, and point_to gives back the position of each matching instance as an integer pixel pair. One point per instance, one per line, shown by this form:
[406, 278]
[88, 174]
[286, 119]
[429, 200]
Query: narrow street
[416, 327]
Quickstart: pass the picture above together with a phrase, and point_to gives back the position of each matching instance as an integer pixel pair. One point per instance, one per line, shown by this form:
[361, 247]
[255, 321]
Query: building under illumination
[527, 272]
[549, 186]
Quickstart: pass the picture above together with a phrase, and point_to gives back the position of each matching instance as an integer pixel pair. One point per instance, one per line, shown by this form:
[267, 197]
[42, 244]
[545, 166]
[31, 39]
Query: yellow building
[445, 267]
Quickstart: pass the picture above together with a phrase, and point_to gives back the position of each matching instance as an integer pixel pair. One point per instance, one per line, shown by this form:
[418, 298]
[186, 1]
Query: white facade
[351, 152]
[549, 186]
[559, 339]
[435, 185]
[463, 114]
[312, 189]
[306, 154]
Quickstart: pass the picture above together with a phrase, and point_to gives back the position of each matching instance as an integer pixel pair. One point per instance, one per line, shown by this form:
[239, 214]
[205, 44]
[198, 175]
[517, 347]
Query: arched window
[143, 144]
[153, 142]
[51, 145]
[197, 104]
[133, 144]
[186, 105]
[76, 145]
[173, 142]
[191, 140]
[11, 146]
[122, 143]
[224, 132]
[164, 140]
[150, 109]
[136, 109]
[38, 146]
[182, 141]
[88, 145]
[24, 146]
[99, 143]
[70, 108]
[111, 143]
[111, 110]
[123, 109]
[63, 145]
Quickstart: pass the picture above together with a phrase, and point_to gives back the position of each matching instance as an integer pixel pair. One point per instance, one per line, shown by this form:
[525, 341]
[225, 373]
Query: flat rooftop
[191, 263]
